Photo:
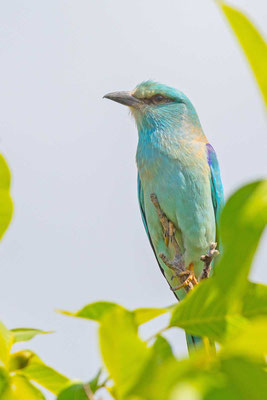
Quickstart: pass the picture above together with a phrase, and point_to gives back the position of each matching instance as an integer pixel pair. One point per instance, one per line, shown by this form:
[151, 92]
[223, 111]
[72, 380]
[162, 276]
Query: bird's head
[156, 106]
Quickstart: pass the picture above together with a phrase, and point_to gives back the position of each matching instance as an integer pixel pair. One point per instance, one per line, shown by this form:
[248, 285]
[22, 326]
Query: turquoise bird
[177, 165]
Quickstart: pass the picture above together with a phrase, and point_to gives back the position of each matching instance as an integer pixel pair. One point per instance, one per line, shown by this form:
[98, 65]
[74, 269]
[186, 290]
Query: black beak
[124, 98]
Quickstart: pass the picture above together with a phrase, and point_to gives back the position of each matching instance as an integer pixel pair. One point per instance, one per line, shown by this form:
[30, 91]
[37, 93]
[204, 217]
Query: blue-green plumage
[176, 162]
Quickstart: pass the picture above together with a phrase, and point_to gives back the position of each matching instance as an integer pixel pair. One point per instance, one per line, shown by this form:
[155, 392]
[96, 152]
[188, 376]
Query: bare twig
[207, 259]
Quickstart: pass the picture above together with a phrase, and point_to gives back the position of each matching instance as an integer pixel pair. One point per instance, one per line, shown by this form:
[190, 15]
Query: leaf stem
[208, 347]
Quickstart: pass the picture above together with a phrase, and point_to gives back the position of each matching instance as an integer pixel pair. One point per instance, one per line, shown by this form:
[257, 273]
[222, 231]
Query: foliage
[19, 369]
[252, 42]
[226, 308]
[6, 205]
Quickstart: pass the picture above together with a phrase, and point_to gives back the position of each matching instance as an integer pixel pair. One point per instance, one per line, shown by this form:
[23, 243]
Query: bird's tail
[193, 342]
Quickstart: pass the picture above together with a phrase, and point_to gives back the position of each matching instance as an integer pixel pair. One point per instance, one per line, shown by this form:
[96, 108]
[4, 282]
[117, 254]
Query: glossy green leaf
[161, 350]
[214, 308]
[6, 205]
[238, 379]
[221, 392]
[124, 354]
[143, 315]
[161, 353]
[252, 43]
[75, 391]
[25, 334]
[46, 376]
[80, 391]
[3, 381]
[248, 379]
[6, 341]
[95, 382]
[251, 341]
[19, 360]
[20, 388]
[255, 300]
[167, 373]
[94, 311]
[243, 221]
[206, 312]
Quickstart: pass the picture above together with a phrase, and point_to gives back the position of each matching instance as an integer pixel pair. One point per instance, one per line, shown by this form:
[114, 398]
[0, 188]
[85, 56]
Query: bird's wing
[143, 214]
[215, 183]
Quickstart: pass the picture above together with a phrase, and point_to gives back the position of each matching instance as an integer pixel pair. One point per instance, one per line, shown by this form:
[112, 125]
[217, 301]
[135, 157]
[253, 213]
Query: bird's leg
[207, 260]
[186, 276]
[162, 217]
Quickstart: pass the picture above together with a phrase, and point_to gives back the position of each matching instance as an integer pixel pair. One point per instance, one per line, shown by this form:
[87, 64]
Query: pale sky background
[77, 236]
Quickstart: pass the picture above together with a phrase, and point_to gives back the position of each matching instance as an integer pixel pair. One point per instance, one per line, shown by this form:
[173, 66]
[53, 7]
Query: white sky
[77, 235]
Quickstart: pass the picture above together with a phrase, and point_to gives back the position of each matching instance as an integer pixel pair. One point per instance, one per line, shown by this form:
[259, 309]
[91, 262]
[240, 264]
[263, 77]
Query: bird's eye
[158, 98]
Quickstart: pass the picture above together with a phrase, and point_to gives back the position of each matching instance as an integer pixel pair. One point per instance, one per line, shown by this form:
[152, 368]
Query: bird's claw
[190, 280]
[207, 260]
[187, 276]
[187, 283]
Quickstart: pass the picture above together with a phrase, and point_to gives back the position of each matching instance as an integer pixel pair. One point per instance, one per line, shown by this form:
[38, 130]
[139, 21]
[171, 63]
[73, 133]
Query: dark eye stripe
[157, 99]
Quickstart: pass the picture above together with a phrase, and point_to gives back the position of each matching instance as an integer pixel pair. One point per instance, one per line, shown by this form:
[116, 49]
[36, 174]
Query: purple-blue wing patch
[215, 182]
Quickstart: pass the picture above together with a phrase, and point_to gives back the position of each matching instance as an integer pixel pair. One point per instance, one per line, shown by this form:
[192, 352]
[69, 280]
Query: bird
[179, 171]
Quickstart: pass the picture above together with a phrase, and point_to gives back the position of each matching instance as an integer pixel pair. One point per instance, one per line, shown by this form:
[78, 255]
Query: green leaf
[233, 378]
[238, 379]
[143, 315]
[243, 220]
[21, 389]
[78, 390]
[221, 393]
[19, 360]
[161, 353]
[6, 341]
[95, 382]
[252, 43]
[94, 311]
[255, 300]
[46, 376]
[75, 391]
[25, 334]
[124, 354]
[252, 341]
[247, 379]
[6, 205]
[214, 308]
[161, 350]
[3, 381]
